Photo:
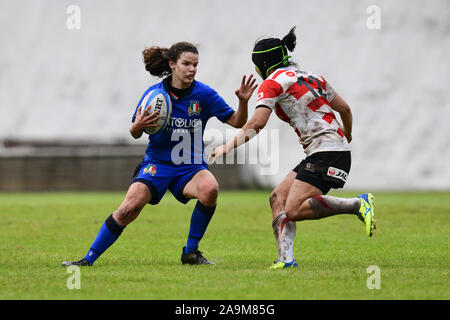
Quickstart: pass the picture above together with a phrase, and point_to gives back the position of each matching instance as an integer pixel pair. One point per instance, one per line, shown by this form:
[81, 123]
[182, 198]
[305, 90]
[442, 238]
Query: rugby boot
[194, 257]
[367, 212]
[80, 263]
[282, 265]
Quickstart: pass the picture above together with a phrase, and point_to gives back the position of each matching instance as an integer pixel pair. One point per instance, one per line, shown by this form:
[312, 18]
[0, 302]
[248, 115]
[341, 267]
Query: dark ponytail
[157, 59]
[290, 40]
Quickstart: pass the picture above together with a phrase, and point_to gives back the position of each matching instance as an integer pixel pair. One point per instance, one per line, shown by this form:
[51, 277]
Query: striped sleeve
[268, 93]
[329, 91]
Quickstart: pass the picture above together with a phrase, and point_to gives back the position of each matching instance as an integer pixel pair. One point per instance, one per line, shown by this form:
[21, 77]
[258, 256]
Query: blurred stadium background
[67, 95]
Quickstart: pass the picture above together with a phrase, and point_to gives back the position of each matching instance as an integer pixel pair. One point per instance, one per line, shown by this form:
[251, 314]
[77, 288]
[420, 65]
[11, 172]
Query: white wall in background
[82, 81]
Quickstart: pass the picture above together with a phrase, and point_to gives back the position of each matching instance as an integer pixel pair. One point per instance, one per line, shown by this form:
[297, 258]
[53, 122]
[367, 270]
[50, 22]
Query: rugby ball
[157, 100]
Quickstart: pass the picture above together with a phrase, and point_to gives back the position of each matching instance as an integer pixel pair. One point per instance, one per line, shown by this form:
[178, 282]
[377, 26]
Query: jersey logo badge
[151, 168]
[194, 108]
[337, 173]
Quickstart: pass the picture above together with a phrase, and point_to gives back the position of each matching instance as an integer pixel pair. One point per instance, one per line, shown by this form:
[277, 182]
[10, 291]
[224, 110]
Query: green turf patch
[40, 230]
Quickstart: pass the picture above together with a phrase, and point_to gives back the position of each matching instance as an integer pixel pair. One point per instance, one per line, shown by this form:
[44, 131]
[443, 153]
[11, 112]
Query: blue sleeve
[134, 114]
[219, 108]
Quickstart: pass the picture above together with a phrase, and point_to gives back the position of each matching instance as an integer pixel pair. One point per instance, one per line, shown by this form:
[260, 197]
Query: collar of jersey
[175, 93]
[285, 68]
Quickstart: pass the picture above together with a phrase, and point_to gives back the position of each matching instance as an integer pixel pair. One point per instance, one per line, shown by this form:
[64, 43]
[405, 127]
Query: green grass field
[40, 230]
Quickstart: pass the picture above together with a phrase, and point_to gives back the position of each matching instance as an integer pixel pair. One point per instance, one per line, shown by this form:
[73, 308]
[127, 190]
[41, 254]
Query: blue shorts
[159, 177]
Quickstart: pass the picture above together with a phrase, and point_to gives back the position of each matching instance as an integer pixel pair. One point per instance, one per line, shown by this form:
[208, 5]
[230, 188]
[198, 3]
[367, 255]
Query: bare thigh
[204, 187]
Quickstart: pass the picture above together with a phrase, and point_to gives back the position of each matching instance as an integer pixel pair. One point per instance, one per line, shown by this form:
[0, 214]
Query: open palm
[247, 87]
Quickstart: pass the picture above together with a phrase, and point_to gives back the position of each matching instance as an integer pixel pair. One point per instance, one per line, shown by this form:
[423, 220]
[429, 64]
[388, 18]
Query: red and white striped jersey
[302, 99]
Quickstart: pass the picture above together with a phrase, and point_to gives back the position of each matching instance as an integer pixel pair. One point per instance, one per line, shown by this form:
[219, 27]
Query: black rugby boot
[194, 257]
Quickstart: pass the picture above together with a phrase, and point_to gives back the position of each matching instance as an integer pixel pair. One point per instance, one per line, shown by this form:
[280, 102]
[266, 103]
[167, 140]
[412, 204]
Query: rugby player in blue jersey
[174, 157]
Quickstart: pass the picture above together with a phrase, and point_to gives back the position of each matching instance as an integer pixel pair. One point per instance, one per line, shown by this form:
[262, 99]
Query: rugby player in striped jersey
[307, 103]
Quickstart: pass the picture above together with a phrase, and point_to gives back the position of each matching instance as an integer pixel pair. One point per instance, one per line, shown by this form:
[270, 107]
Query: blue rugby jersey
[186, 125]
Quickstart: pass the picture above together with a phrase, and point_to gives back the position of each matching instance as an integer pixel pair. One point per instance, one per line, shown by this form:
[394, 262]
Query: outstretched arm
[239, 118]
[250, 129]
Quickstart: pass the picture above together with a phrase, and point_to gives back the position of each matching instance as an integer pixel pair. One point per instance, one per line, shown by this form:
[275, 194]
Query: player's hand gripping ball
[157, 100]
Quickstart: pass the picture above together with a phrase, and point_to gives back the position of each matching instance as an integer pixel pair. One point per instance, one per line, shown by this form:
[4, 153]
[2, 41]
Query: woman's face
[184, 69]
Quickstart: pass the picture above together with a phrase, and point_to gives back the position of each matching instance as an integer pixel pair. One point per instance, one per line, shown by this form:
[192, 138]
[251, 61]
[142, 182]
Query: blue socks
[199, 222]
[111, 230]
[108, 234]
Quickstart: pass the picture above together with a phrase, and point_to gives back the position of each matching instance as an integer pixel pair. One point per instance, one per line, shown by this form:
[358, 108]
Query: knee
[296, 211]
[127, 212]
[276, 200]
[208, 192]
[273, 198]
[292, 210]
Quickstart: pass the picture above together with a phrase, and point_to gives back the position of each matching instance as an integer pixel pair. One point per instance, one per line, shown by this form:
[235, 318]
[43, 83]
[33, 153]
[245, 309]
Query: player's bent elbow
[135, 134]
[345, 108]
[340, 105]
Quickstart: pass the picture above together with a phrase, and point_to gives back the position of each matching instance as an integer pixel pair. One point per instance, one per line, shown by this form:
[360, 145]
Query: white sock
[284, 232]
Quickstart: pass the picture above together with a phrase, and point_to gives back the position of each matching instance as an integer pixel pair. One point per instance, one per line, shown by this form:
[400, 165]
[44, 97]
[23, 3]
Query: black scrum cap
[271, 53]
